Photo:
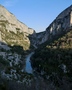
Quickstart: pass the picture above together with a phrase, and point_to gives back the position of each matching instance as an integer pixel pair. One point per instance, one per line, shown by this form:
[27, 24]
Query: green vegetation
[2, 86]
[3, 23]
[3, 61]
[17, 28]
[12, 38]
[11, 64]
[17, 49]
[54, 58]
[15, 38]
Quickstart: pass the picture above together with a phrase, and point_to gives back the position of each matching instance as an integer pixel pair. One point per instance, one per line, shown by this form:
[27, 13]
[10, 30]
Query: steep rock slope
[12, 31]
[53, 59]
[62, 23]
[14, 46]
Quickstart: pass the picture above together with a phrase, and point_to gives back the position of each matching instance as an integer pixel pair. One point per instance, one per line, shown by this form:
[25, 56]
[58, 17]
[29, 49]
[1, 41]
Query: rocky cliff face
[14, 41]
[12, 31]
[15, 37]
[12, 24]
[62, 23]
[53, 59]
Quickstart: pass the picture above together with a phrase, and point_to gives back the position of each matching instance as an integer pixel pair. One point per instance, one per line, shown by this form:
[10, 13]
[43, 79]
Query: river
[28, 67]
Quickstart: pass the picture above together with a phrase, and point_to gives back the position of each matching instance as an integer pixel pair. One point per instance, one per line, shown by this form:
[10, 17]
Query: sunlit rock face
[62, 23]
[9, 24]
[71, 18]
[12, 31]
[14, 44]
[11, 21]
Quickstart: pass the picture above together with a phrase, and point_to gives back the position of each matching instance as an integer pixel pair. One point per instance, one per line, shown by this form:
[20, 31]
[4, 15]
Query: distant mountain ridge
[62, 23]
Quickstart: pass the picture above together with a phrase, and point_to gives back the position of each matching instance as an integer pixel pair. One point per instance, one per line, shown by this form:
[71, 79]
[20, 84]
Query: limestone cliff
[14, 46]
[51, 62]
[62, 23]
[12, 31]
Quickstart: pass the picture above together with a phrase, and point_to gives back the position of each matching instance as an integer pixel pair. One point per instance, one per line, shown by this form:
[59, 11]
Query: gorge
[35, 61]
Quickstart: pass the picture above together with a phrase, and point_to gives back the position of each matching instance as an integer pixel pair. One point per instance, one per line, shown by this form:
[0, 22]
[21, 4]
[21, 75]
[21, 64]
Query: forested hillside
[53, 60]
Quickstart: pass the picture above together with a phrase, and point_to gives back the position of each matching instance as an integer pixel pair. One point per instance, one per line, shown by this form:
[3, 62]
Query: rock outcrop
[9, 24]
[62, 23]
[12, 24]
[12, 31]
[52, 61]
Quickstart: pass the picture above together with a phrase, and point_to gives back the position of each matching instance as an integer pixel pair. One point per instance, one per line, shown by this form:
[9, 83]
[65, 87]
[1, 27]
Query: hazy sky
[37, 14]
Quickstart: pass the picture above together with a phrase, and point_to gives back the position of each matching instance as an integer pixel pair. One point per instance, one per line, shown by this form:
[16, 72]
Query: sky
[36, 14]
